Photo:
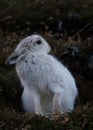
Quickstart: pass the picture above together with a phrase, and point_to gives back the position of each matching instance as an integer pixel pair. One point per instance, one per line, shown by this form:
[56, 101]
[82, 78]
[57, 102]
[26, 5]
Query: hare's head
[33, 43]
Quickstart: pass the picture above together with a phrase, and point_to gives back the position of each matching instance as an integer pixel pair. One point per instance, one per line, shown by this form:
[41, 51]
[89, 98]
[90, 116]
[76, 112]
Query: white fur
[49, 87]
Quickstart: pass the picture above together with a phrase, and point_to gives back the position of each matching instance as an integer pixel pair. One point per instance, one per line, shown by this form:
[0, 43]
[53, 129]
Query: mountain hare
[48, 86]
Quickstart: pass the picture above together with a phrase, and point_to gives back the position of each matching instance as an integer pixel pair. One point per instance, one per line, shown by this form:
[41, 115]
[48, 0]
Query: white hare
[48, 86]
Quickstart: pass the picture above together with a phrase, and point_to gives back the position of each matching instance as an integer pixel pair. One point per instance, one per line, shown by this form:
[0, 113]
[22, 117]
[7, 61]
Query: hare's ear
[12, 59]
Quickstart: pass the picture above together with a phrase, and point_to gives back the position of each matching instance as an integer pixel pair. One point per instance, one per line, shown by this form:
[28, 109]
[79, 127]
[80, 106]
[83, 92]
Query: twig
[2, 124]
[82, 29]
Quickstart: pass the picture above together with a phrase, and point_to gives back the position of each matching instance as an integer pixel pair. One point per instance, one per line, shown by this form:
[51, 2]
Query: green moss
[41, 123]
[82, 119]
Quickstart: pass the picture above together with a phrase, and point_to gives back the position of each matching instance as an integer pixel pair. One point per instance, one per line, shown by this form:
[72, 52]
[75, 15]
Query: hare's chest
[27, 70]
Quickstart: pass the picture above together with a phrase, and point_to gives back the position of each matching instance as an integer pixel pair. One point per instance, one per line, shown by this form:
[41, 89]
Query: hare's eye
[39, 42]
[26, 45]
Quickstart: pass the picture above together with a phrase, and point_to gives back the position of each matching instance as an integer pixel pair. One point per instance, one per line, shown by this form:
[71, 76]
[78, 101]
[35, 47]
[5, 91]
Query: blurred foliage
[37, 15]
[31, 7]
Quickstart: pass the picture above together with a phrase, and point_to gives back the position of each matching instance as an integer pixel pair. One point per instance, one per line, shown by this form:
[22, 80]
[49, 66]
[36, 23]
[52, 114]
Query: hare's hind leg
[57, 100]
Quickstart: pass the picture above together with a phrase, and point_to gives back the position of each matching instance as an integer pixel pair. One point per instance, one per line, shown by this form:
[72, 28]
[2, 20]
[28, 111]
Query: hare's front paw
[57, 106]
[37, 108]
